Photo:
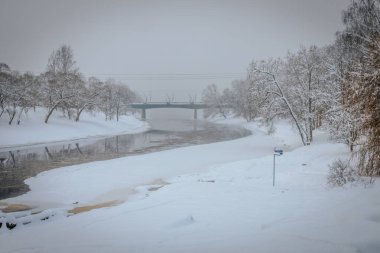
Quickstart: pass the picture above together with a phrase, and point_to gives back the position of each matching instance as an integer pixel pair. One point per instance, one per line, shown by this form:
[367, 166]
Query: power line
[163, 76]
[169, 74]
[169, 79]
[177, 76]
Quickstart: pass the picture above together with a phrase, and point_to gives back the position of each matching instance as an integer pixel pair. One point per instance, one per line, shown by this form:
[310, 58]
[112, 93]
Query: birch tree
[305, 77]
[275, 94]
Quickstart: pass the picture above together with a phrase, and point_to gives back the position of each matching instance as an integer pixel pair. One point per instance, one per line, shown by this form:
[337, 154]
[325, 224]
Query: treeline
[336, 87]
[61, 88]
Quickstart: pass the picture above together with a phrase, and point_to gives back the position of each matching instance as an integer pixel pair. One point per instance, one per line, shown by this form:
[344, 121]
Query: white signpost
[277, 152]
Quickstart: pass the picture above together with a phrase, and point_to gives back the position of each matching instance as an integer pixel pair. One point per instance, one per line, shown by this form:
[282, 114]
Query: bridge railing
[173, 103]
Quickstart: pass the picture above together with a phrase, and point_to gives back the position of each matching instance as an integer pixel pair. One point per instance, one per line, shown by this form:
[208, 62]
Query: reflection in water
[18, 165]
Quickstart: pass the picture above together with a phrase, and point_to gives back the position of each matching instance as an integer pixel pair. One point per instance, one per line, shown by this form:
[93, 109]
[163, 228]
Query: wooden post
[195, 114]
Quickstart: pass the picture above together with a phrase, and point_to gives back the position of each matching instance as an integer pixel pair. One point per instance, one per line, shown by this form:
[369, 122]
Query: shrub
[341, 173]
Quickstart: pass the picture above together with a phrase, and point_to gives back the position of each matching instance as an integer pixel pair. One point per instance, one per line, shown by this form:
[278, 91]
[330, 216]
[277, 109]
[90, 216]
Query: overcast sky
[163, 47]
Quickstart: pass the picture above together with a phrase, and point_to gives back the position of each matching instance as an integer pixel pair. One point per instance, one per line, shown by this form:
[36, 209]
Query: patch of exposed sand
[16, 208]
[82, 209]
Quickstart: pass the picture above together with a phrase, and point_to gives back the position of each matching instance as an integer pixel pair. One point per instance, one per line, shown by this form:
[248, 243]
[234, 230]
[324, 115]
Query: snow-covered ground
[33, 130]
[207, 198]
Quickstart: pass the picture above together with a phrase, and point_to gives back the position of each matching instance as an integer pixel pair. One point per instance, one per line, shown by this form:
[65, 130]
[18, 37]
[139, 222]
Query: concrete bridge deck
[183, 105]
[157, 105]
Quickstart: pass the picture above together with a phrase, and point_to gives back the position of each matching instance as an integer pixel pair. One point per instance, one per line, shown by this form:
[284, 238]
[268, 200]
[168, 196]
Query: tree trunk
[51, 111]
[77, 146]
[80, 111]
[13, 158]
[310, 120]
[353, 136]
[11, 116]
[281, 95]
[19, 116]
[69, 113]
[295, 120]
[310, 137]
[48, 153]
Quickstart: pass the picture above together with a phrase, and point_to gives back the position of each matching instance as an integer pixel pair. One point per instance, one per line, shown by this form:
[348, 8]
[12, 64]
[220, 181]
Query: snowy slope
[33, 130]
[211, 198]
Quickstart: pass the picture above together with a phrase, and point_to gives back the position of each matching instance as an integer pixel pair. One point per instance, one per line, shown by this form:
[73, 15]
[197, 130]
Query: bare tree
[212, 97]
[169, 98]
[274, 93]
[305, 77]
[239, 99]
[88, 96]
[115, 99]
[62, 80]
[122, 97]
[5, 79]
[28, 94]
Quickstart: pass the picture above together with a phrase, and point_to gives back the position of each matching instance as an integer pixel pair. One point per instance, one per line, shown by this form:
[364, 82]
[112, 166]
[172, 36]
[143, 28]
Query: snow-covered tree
[214, 99]
[5, 84]
[341, 120]
[62, 80]
[88, 96]
[115, 98]
[122, 96]
[362, 37]
[105, 100]
[18, 93]
[61, 87]
[28, 93]
[238, 98]
[305, 77]
[259, 99]
[276, 99]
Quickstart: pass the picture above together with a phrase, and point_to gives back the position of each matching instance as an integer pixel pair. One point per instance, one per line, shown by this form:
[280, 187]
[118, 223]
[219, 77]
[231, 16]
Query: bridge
[157, 105]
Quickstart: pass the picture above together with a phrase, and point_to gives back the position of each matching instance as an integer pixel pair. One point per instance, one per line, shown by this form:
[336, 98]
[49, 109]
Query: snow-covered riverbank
[207, 198]
[33, 130]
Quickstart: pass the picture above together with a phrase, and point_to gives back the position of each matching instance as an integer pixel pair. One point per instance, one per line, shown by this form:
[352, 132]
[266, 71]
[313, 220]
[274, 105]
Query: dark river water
[24, 162]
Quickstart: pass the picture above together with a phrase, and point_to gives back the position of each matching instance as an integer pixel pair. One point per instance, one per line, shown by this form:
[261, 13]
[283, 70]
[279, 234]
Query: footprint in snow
[186, 221]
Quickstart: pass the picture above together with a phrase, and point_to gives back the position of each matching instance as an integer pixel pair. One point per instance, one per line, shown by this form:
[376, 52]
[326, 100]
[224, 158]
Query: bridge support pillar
[195, 114]
[143, 114]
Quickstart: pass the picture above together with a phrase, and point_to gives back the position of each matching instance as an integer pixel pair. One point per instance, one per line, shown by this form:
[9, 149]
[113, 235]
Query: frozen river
[24, 162]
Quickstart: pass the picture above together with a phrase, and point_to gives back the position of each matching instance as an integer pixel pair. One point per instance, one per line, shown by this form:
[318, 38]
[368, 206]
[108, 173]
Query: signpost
[277, 152]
